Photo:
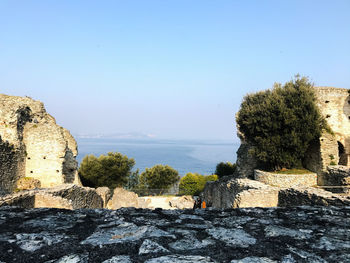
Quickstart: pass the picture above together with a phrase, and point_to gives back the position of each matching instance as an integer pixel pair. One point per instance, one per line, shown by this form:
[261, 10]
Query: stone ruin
[34, 150]
[38, 166]
[329, 150]
[328, 158]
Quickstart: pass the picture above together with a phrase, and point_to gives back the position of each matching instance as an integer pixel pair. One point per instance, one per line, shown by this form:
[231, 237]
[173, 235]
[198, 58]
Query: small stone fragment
[232, 237]
[180, 259]
[150, 247]
[275, 231]
[118, 259]
[253, 260]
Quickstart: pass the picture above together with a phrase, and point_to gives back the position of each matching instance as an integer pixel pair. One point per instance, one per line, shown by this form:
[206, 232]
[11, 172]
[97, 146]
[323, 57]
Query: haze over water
[197, 156]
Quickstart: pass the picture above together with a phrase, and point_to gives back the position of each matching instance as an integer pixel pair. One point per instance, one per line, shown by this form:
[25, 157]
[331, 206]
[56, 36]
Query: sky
[172, 69]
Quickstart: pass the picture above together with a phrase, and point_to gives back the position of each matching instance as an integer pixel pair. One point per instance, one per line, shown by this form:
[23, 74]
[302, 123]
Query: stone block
[105, 193]
[51, 201]
[123, 198]
[182, 202]
[26, 183]
[233, 193]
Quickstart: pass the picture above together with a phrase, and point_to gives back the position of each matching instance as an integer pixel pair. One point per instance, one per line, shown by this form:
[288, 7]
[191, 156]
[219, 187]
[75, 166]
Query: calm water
[184, 156]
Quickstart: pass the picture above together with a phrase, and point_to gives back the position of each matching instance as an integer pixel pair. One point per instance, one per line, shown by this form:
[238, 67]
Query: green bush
[193, 183]
[111, 170]
[158, 179]
[223, 169]
[280, 123]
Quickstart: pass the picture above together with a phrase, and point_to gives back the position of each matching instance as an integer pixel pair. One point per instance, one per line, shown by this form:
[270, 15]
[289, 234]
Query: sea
[196, 156]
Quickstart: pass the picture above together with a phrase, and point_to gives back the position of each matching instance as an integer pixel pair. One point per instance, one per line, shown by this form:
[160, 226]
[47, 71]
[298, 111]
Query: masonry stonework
[334, 104]
[33, 145]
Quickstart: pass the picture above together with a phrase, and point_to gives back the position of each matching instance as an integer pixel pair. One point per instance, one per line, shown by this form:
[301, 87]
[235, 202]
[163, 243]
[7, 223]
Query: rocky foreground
[299, 234]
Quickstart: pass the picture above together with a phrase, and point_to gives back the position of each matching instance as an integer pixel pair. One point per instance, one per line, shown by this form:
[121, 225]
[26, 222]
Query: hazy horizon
[166, 69]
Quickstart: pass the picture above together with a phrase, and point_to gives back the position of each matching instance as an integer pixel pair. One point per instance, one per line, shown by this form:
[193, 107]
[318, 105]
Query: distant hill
[131, 135]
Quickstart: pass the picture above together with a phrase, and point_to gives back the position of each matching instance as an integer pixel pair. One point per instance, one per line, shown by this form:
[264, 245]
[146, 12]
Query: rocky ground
[299, 234]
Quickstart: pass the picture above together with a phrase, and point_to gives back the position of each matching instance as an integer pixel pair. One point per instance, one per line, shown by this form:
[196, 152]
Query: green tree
[194, 183]
[223, 169]
[111, 170]
[158, 179]
[280, 123]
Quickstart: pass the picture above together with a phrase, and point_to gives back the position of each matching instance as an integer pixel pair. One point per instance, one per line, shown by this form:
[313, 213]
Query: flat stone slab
[294, 234]
[285, 180]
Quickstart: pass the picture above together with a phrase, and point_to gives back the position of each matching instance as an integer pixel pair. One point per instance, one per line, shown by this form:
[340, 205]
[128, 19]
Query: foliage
[223, 169]
[293, 171]
[111, 170]
[193, 183]
[280, 123]
[158, 179]
[133, 180]
[331, 156]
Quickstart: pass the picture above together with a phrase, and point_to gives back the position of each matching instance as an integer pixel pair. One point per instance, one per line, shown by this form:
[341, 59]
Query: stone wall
[33, 145]
[322, 153]
[68, 196]
[246, 163]
[238, 193]
[334, 104]
[297, 196]
[11, 166]
[286, 180]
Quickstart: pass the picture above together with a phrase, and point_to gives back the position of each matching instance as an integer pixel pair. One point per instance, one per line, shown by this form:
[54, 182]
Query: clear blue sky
[176, 69]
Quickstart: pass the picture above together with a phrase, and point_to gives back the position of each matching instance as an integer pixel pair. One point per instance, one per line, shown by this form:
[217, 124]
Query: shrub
[280, 123]
[223, 169]
[193, 183]
[111, 170]
[158, 179]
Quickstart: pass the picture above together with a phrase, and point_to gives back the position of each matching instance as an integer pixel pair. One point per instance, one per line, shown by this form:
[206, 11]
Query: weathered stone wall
[322, 153]
[238, 193]
[246, 163]
[334, 104]
[33, 145]
[11, 166]
[68, 196]
[286, 180]
[337, 175]
[297, 196]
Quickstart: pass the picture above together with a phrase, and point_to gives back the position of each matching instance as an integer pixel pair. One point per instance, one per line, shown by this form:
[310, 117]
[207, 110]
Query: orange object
[204, 204]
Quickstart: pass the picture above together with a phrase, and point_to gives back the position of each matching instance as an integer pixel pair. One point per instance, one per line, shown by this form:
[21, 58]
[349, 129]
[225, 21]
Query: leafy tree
[158, 178]
[193, 183]
[223, 169]
[280, 123]
[111, 170]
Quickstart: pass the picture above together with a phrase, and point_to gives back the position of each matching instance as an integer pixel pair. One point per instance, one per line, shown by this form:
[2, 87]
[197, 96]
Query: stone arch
[343, 158]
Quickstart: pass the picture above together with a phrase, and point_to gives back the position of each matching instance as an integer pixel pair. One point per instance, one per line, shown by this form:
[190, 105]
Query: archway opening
[343, 160]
